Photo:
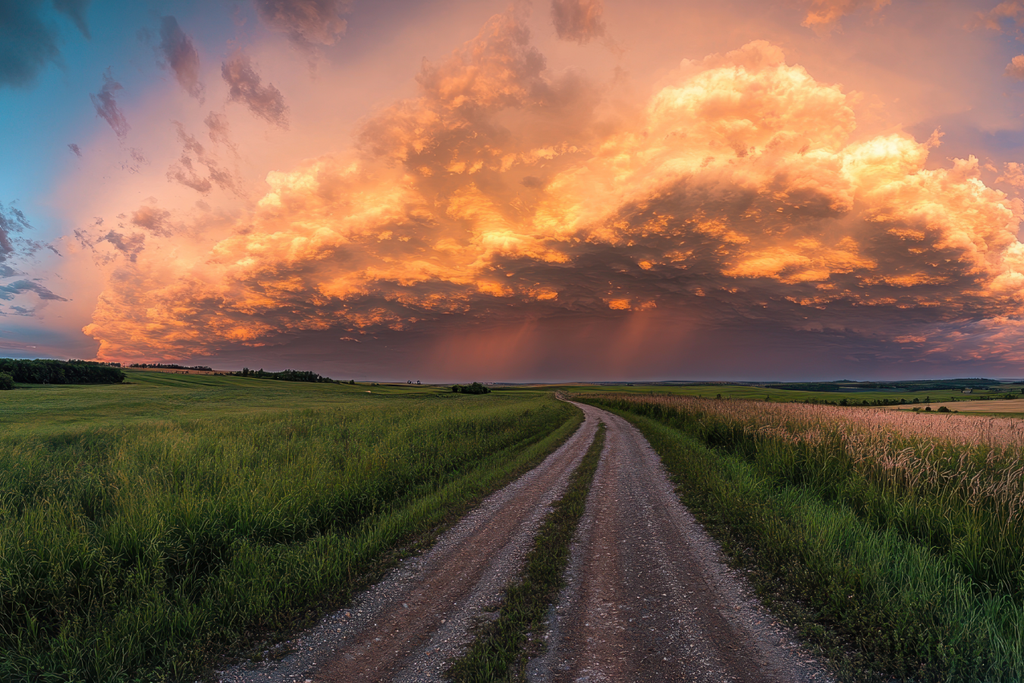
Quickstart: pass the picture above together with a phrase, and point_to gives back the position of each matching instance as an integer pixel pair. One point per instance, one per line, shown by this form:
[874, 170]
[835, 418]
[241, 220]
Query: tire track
[419, 617]
[649, 597]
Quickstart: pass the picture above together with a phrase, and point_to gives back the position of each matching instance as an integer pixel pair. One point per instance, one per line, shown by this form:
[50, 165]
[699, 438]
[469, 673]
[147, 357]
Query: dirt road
[649, 598]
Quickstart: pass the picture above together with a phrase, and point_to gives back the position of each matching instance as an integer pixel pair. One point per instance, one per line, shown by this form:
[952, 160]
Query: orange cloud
[823, 14]
[501, 193]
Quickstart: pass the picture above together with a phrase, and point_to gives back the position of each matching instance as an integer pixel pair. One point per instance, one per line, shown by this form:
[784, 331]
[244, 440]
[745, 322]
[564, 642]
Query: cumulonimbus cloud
[578, 20]
[245, 86]
[181, 56]
[106, 106]
[500, 192]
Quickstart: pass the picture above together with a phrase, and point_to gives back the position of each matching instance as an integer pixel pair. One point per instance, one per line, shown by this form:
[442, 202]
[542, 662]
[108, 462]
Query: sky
[555, 190]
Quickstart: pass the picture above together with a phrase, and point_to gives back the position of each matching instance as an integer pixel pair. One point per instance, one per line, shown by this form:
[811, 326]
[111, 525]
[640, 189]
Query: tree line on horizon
[285, 375]
[47, 371]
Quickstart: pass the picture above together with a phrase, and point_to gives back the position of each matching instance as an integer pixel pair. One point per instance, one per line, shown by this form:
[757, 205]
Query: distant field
[1012, 407]
[780, 395]
[894, 539]
[146, 526]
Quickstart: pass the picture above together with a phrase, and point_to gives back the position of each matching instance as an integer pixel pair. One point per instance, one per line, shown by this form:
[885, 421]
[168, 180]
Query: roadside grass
[139, 549]
[502, 647]
[899, 554]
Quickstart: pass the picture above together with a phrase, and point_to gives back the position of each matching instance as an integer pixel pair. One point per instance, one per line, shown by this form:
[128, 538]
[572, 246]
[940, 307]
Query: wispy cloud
[245, 86]
[824, 14]
[578, 20]
[75, 10]
[181, 56]
[106, 106]
[306, 22]
[28, 42]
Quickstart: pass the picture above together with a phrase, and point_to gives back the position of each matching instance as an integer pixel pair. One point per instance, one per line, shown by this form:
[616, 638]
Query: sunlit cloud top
[534, 192]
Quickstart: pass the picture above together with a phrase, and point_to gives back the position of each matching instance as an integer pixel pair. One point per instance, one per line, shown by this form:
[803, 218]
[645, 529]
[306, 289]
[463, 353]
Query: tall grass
[136, 551]
[900, 533]
[501, 647]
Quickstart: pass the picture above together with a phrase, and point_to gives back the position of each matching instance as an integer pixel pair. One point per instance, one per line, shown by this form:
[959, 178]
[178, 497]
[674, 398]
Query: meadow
[774, 394]
[146, 527]
[892, 539]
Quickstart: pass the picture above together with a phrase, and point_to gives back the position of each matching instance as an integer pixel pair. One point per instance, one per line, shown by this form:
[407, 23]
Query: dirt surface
[413, 623]
[649, 596]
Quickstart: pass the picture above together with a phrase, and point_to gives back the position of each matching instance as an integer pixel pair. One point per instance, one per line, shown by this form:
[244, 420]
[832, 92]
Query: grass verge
[882, 601]
[501, 648]
[137, 551]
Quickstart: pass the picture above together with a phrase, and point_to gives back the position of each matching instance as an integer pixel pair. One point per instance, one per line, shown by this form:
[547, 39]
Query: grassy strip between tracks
[502, 646]
[837, 553]
[138, 551]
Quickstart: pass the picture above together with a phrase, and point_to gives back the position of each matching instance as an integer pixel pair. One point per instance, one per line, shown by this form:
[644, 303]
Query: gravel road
[418, 618]
[649, 596]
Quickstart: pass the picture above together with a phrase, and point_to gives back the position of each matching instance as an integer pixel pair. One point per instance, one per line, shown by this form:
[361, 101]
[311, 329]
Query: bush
[6, 381]
[474, 388]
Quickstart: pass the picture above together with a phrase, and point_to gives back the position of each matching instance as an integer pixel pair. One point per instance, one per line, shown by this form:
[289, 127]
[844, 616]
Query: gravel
[649, 595]
[419, 617]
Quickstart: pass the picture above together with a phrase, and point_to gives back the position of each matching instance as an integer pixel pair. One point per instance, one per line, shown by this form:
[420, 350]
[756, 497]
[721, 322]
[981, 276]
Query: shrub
[6, 381]
[474, 388]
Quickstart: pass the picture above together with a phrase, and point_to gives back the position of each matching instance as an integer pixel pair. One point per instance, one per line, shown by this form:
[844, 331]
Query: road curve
[649, 597]
[409, 626]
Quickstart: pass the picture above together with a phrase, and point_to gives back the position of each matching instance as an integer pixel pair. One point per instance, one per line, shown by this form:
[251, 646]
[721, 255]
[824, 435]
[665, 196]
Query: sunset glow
[456, 190]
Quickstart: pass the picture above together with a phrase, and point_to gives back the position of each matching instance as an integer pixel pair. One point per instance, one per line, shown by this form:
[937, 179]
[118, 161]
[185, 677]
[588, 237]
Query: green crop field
[893, 539]
[145, 527]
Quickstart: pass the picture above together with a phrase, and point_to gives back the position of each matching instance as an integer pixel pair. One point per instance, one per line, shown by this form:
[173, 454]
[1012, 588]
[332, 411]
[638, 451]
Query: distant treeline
[171, 366]
[60, 372]
[286, 375]
[916, 385]
[474, 388]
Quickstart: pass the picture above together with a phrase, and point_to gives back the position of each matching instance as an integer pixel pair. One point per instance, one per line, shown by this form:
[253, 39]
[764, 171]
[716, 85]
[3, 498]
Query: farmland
[144, 527]
[894, 538]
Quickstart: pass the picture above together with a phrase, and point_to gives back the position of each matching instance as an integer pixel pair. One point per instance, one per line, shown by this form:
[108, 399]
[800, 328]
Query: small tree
[6, 381]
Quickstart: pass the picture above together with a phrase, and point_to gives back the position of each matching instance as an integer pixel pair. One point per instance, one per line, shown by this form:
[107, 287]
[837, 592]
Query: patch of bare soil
[649, 596]
[414, 622]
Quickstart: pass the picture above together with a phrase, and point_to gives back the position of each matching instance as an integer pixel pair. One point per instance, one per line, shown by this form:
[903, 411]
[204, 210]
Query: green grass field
[750, 393]
[146, 527]
[892, 539]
